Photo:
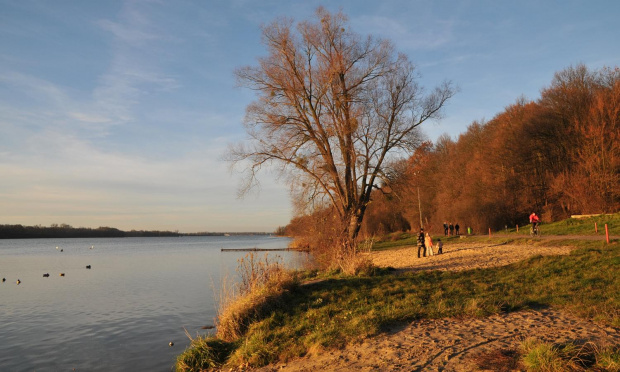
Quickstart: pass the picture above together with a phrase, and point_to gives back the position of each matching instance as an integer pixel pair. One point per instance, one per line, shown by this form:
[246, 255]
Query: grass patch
[204, 353]
[608, 358]
[574, 226]
[263, 284]
[544, 356]
[537, 355]
[571, 226]
[525, 240]
[387, 242]
[340, 310]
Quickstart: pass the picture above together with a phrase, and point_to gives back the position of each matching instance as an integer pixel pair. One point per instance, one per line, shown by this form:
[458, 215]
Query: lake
[139, 295]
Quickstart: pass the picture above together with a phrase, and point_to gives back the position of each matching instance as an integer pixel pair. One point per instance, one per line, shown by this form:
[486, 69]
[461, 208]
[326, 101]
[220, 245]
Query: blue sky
[117, 113]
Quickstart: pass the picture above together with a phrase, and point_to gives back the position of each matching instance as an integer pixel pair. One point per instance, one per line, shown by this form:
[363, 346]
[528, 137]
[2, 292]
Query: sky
[118, 113]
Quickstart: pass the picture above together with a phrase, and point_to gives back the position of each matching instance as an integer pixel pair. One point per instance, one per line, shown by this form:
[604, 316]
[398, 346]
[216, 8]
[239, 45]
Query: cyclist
[535, 221]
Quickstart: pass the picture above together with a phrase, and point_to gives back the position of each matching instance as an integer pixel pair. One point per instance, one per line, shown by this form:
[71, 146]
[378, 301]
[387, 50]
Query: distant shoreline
[68, 232]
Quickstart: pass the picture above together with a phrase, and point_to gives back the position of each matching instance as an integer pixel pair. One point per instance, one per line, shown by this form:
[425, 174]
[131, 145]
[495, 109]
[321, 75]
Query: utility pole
[420, 208]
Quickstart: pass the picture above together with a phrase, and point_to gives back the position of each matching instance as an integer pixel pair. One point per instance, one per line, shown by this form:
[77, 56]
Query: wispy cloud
[88, 118]
[129, 32]
[133, 71]
[36, 104]
[406, 35]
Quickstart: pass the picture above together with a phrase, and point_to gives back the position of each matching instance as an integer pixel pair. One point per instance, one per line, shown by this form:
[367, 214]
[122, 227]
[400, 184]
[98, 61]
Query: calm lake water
[139, 295]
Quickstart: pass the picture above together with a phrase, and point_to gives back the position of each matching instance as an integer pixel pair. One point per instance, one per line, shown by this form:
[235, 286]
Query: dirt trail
[453, 344]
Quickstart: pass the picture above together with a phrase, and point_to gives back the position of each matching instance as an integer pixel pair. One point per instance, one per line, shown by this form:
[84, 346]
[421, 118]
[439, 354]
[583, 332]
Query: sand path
[455, 344]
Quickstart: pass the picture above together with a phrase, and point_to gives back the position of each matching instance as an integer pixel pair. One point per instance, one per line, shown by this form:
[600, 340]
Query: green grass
[204, 353]
[395, 241]
[484, 239]
[571, 226]
[537, 355]
[575, 226]
[543, 356]
[342, 310]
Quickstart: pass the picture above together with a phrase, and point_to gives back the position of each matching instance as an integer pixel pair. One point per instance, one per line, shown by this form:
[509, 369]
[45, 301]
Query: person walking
[428, 242]
[451, 228]
[456, 228]
[445, 228]
[421, 245]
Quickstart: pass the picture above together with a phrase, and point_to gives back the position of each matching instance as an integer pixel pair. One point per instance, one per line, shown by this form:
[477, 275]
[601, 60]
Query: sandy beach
[456, 344]
[462, 256]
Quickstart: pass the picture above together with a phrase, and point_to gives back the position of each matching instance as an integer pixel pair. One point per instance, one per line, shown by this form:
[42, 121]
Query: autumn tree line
[557, 156]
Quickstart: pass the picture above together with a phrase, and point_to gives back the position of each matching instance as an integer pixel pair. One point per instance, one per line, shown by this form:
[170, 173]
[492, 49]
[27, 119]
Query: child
[439, 246]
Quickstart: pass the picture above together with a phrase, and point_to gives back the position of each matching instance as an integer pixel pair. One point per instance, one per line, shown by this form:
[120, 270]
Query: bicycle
[535, 230]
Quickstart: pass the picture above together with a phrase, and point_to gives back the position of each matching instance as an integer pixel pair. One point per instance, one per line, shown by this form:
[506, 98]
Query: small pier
[256, 249]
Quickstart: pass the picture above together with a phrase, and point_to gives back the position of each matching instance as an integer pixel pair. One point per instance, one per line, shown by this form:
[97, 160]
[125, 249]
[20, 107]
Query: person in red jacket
[534, 220]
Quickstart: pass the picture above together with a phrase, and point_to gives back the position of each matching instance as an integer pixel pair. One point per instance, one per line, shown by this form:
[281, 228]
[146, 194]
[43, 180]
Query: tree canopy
[334, 110]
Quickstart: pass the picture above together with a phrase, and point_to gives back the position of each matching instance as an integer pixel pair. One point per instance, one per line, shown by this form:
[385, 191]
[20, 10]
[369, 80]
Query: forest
[558, 155]
[68, 231]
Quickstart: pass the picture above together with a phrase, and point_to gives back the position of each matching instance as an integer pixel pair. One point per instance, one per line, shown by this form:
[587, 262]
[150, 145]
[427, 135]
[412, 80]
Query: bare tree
[333, 109]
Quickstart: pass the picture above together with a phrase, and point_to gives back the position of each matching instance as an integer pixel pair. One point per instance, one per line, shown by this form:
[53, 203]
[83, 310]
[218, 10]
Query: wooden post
[595, 228]
[607, 233]
[489, 232]
[517, 228]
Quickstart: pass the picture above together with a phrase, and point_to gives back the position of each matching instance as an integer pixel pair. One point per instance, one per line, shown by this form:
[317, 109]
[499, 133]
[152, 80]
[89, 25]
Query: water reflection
[121, 314]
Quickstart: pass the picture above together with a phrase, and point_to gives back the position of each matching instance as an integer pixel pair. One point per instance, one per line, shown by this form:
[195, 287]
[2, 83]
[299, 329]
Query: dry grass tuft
[357, 264]
[262, 284]
[204, 353]
[547, 357]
